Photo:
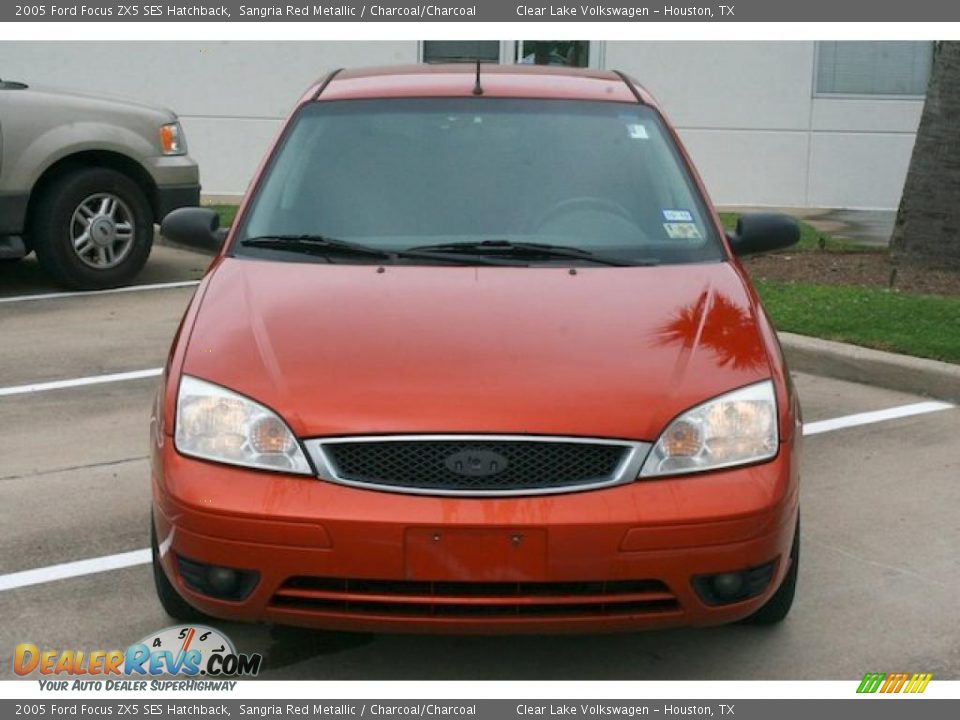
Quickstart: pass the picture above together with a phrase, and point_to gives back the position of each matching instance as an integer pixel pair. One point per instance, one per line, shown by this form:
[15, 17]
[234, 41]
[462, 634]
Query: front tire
[173, 604]
[778, 606]
[92, 229]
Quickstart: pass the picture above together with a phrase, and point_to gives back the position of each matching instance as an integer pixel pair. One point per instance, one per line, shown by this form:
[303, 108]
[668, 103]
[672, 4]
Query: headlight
[216, 424]
[172, 140]
[733, 429]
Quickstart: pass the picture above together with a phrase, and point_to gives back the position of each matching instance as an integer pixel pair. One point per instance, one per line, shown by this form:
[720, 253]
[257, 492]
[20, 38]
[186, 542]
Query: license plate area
[476, 554]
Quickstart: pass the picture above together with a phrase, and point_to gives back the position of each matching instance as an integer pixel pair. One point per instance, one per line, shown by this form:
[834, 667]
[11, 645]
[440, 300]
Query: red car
[476, 356]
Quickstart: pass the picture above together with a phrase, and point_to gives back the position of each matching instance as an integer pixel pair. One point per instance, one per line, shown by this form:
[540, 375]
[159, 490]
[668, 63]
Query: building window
[873, 68]
[446, 51]
[572, 53]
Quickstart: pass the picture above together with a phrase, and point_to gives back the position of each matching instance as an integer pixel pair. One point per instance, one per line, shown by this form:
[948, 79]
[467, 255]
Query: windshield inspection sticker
[677, 216]
[682, 230]
[637, 131]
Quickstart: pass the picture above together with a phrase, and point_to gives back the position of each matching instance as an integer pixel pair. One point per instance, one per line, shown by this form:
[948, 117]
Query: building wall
[748, 115]
[746, 110]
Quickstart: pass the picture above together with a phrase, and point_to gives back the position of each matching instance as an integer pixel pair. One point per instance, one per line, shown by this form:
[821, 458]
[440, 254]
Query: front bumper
[177, 182]
[170, 197]
[336, 557]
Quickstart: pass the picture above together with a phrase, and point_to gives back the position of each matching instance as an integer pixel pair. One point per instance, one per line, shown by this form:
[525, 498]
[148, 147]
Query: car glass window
[401, 173]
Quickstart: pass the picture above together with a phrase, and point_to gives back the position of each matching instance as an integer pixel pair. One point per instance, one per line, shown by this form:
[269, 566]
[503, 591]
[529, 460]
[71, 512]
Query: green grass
[810, 238]
[226, 212]
[922, 325]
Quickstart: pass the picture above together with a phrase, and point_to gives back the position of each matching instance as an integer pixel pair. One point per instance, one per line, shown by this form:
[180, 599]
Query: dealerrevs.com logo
[181, 651]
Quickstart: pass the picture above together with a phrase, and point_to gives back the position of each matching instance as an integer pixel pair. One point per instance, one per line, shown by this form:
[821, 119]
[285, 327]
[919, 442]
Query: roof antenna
[477, 89]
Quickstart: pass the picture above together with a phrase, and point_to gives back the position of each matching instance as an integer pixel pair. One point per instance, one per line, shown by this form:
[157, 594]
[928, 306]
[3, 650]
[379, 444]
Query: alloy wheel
[102, 231]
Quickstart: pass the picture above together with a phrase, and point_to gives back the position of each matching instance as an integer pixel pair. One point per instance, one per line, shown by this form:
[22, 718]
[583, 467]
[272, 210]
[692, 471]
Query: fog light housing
[727, 585]
[222, 583]
[735, 585]
[222, 580]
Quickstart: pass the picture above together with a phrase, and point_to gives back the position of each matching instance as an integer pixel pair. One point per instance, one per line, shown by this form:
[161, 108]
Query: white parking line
[79, 382]
[38, 576]
[92, 293]
[104, 563]
[866, 418]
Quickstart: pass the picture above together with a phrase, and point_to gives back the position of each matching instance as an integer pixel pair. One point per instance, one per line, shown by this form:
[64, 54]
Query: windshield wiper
[315, 244]
[324, 245]
[530, 250]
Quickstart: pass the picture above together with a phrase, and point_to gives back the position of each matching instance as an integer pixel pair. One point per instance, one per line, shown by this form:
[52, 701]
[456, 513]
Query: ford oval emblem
[476, 463]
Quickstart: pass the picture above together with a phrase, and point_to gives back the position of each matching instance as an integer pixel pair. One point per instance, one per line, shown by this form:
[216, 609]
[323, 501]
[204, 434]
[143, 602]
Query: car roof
[458, 80]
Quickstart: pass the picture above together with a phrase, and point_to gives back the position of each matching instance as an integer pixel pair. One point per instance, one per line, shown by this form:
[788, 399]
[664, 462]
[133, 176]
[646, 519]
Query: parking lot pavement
[81, 337]
[878, 582]
[166, 265]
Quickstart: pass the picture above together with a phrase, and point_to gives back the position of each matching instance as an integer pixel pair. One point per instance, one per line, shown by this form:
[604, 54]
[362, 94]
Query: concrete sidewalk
[870, 227]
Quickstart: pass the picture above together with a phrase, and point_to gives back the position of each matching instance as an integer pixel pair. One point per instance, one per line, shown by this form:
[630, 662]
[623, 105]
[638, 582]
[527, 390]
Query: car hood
[350, 349]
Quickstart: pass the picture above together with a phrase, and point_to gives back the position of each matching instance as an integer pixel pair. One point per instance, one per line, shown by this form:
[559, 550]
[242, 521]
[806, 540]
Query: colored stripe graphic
[871, 682]
[918, 683]
[894, 682]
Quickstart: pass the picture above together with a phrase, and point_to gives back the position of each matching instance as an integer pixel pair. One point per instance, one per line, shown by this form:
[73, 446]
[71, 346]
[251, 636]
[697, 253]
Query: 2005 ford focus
[476, 356]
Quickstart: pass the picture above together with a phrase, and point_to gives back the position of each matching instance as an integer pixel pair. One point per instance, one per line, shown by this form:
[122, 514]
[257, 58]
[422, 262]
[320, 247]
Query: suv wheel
[92, 229]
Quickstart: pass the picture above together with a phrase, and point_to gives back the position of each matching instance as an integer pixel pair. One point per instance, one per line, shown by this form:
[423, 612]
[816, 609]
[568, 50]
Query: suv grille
[483, 466]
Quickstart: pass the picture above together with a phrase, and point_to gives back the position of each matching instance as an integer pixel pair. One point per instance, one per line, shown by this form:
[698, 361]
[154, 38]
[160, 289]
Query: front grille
[476, 465]
[424, 599]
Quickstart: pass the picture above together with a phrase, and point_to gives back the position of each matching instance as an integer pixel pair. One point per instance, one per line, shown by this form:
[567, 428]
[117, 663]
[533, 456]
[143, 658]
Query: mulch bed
[869, 269]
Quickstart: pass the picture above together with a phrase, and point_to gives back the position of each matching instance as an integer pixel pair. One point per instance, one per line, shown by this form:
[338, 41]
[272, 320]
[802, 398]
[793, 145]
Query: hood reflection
[719, 324]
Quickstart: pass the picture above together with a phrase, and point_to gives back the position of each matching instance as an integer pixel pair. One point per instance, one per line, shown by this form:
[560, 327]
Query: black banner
[635, 11]
[875, 709]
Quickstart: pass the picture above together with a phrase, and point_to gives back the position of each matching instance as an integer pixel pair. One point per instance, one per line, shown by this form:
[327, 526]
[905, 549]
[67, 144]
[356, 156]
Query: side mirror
[763, 232]
[194, 227]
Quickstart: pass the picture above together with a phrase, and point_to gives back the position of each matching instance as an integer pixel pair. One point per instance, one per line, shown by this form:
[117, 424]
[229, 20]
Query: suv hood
[63, 101]
[605, 352]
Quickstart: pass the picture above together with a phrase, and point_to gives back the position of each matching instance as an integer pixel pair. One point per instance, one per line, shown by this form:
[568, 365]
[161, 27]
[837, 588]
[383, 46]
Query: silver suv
[83, 180]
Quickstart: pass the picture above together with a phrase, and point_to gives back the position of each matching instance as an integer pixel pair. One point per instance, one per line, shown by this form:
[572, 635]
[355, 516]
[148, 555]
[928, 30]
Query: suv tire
[92, 229]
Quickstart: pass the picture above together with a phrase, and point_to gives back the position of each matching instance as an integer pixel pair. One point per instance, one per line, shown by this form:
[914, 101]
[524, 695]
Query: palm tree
[927, 231]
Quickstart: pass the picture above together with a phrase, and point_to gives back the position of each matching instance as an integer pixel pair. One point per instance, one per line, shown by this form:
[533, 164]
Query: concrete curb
[920, 376]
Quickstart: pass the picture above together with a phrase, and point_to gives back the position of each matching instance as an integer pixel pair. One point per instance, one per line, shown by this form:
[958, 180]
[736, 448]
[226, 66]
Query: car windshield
[479, 177]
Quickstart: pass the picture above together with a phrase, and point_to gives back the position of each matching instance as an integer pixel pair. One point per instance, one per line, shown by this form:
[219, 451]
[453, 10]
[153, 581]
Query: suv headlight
[172, 139]
[733, 429]
[214, 423]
